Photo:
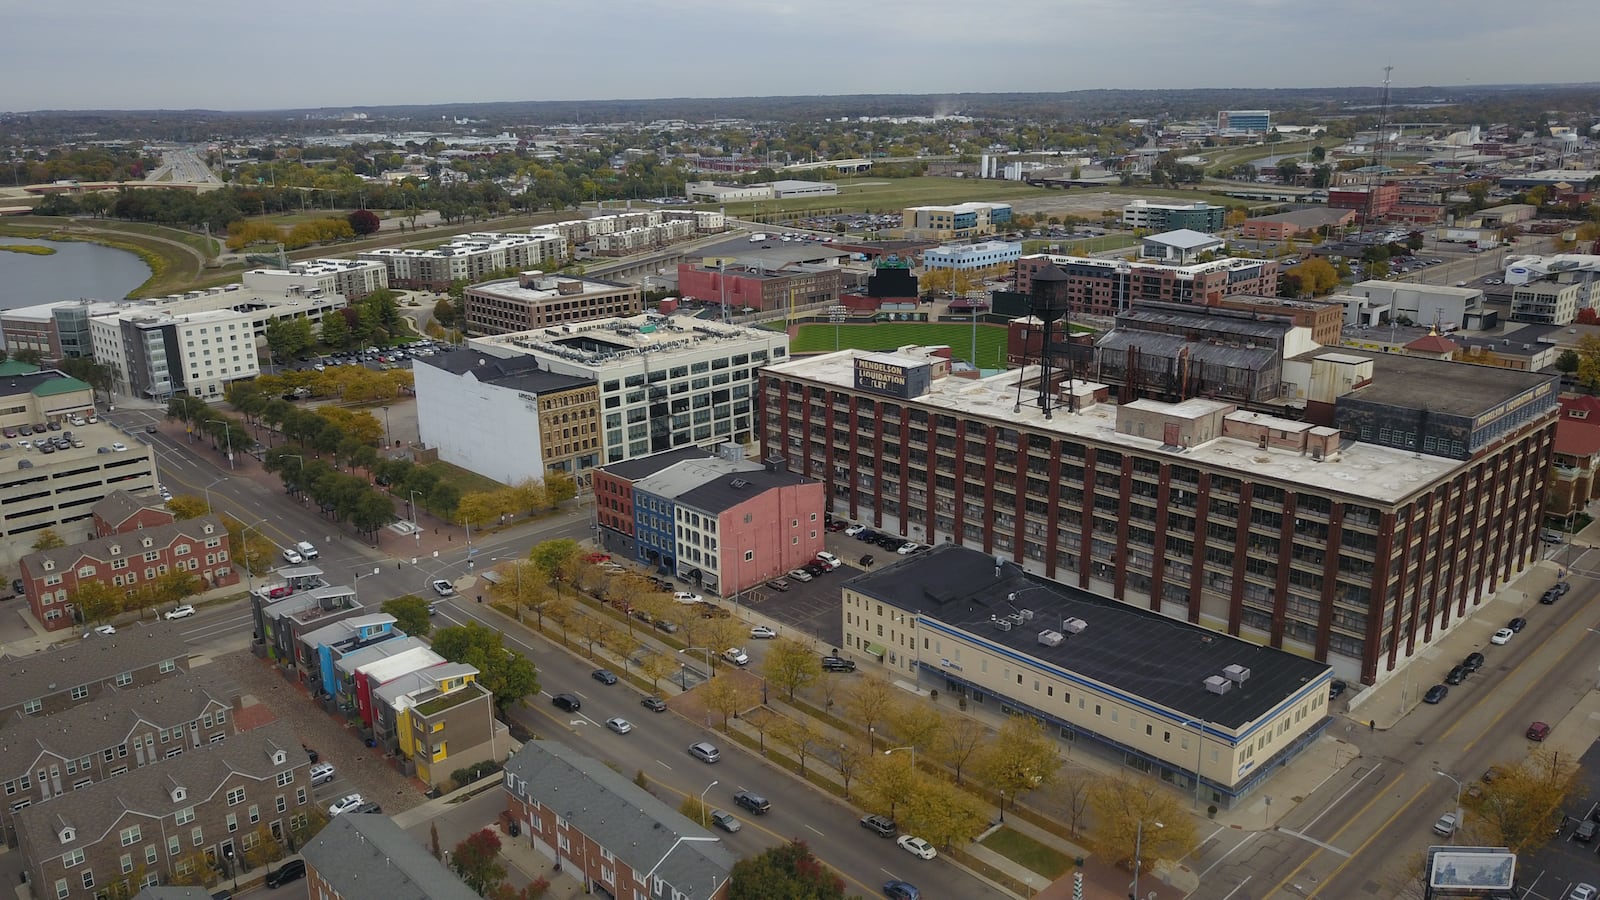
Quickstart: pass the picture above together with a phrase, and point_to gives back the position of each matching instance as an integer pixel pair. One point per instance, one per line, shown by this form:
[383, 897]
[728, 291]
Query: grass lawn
[464, 481]
[1016, 846]
[819, 338]
[1082, 246]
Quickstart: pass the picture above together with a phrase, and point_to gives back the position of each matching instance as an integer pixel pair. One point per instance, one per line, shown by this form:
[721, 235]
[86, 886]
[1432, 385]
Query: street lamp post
[207, 491]
[227, 433]
[711, 665]
[703, 802]
[1457, 783]
[355, 588]
[1138, 851]
[897, 749]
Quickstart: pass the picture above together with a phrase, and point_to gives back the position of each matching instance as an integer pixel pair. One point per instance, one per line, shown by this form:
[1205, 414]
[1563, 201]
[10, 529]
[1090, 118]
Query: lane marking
[1220, 859]
[1240, 887]
[1311, 840]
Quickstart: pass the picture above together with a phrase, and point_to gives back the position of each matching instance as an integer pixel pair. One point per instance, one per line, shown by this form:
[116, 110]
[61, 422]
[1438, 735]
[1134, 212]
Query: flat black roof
[645, 466]
[1154, 658]
[727, 491]
[1456, 388]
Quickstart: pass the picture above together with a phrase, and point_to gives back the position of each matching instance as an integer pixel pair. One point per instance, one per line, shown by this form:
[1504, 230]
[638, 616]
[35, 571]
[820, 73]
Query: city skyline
[169, 55]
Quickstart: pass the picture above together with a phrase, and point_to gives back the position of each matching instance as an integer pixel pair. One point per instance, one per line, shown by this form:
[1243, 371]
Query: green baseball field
[820, 338]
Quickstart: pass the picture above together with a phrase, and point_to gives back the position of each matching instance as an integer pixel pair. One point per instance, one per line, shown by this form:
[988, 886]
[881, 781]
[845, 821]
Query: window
[197, 837]
[235, 796]
[88, 879]
[233, 822]
[61, 889]
[286, 778]
[127, 863]
[80, 692]
[72, 858]
[255, 814]
[130, 836]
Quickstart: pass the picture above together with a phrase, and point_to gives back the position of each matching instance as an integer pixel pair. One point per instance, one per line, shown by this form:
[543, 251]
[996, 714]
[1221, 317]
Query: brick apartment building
[1105, 287]
[360, 857]
[753, 287]
[126, 561]
[1370, 204]
[80, 671]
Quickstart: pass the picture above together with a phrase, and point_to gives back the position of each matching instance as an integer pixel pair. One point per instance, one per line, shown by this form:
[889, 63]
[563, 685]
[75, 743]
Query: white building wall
[215, 350]
[453, 412]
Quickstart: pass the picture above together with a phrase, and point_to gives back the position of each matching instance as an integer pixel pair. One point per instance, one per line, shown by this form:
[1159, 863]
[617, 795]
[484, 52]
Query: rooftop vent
[1217, 684]
[1002, 624]
[1236, 674]
[1051, 638]
[1074, 626]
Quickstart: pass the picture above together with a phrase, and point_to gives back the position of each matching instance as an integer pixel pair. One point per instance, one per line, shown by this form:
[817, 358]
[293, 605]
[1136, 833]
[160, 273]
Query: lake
[77, 269]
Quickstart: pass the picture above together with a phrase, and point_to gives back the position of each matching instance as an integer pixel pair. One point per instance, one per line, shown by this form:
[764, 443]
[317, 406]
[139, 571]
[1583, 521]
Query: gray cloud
[298, 53]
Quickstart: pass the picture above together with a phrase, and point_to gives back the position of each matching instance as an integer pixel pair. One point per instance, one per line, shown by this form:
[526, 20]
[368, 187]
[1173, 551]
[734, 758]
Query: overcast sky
[172, 54]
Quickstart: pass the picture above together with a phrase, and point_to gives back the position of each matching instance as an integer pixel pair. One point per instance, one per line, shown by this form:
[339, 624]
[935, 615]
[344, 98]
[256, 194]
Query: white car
[1503, 636]
[344, 804]
[916, 847]
[736, 655]
[443, 588]
[105, 629]
[908, 548]
[854, 530]
[686, 597]
[119, 447]
[292, 556]
[828, 559]
[180, 612]
[762, 632]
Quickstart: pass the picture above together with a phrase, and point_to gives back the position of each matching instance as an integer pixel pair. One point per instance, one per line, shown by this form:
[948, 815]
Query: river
[77, 269]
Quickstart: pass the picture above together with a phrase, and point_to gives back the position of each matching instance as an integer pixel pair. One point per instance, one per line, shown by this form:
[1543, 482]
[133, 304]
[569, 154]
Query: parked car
[901, 890]
[1456, 675]
[604, 676]
[322, 773]
[686, 598]
[1473, 662]
[1538, 731]
[1503, 636]
[292, 556]
[1582, 891]
[799, 574]
[829, 560]
[1435, 694]
[705, 752]
[443, 588]
[1516, 625]
[908, 548]
[1336, 688]
[654, 704]
[344, 804]
[1585, 831]
[1548, 536]
[1446, 825]
[105, 630]
[855, 530]
[814, 569]
[567, 702]
[737, 656]
[916, 847]
[180, 612]
[753, 802]
[882, 826]
[838, 664]
[725, 820]
[292, 870]
[619, 725]
[762, 632]
[778, 584]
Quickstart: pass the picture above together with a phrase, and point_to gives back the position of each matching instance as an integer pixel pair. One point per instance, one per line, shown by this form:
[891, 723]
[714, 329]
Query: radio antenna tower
[1375, 174]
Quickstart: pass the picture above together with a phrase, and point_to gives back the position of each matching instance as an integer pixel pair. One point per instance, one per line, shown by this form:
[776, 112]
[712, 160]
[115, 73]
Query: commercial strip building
[665, 381]
[966, 257]
[722, 192]
[535, 299]
[1203, 217]
[359, 856]
[615, 837]
[125, 562]
[30, 395]
[468, 257]
[961, 220]
[1289, 225]
[1380, 302]
[1180, 247]
[1353, 534]
[59, 489]
[544, 421]
[173, 820]
[723, 522]
[1203, 711]
[1105, 287]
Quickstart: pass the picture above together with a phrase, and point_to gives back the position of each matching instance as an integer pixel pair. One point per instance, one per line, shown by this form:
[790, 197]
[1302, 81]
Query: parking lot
[813, 606]
[1566, 861]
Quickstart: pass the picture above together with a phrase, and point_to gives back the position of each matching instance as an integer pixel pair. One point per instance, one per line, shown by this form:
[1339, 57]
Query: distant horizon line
[365, 107]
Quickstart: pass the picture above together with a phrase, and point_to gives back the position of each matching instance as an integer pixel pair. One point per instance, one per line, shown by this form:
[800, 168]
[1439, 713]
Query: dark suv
[882, 826]
[753, 802]
[292, 870]
[566, 702]
[838, 664]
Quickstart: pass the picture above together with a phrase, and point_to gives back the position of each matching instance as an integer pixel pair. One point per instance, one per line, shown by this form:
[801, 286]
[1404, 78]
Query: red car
[1538, 731]
[597, 558]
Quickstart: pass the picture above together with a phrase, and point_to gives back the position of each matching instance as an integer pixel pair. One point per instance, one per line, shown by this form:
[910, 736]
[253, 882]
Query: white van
[306, 550]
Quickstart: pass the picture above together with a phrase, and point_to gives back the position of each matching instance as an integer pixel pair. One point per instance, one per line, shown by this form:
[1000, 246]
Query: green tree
[335, 331]
[1521, 806]
[959, 740]
[787, 872]
[187, 506]
[890, 782]
[557, 560]
[48, 540]
[727, 695]
[656, 666]
[1567, 362]
[1588, 371]
[97, 601]
[867, 702]
[943, 814]
[410, 614]
[1317, 276]
[477, 861]
[790, 665]
[1020, 758]
[508, 675]
[1142, 814]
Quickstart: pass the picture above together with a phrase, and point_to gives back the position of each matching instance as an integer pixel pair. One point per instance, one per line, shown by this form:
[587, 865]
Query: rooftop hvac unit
[1051, 638]
[1003, 624]
[1074, 626]
[1236, 674]
[1024, 615]
[1217, 684]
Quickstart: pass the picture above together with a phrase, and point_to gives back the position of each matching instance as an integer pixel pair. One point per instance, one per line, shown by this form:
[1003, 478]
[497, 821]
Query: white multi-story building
[959, 221]
[972, 256]
[159, 354]
[351, 278]
[664, 381]
[470, 257]
[705, 221]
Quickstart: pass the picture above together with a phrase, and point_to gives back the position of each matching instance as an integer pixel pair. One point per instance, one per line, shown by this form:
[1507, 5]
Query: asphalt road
[1354, 835]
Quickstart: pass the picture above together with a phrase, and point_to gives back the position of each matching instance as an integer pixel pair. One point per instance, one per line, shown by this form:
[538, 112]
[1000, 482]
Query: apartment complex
[544, 421]
[79, 672]
[1370, 204]
[351, 279]
[363, 856]
[158, 355]
[615, 837]
[1354, 534]
[753, 286]
[169, 821]
[646, 237]
[469, 257]
[44, 757]
[1203, 711]
[665, 381]
[534, 300]
[40, 490]
[439, 719]
[723, 522]
[1105, 287]
[1546, 302]
[126, 562]
[962, 220]
[1203, 217]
